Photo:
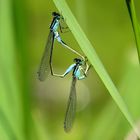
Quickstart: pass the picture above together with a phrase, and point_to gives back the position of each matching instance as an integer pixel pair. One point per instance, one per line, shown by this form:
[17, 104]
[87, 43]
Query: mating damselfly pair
[79, 68]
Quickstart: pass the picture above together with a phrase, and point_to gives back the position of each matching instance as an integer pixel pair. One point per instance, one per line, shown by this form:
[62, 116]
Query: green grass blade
[139, 29]
[6, 126]
[10, 108]
[21, 34]
[135, 25]
[89, 51]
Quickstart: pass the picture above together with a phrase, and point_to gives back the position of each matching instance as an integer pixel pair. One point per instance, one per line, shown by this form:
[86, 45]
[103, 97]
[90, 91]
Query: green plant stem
[135, 25]
[89, 51]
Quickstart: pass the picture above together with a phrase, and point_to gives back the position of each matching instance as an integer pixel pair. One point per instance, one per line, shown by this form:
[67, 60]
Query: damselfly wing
[71, 107]
[44, 68]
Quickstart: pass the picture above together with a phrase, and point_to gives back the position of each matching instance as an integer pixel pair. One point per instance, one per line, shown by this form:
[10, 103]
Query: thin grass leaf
[139, 29]
[10, 108]
[92, 56]
[6, 126]
[135, 25]
[21, 35]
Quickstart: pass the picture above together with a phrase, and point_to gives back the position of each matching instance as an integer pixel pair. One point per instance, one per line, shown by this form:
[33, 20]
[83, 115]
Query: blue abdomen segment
[55, 25]
[71, 67]
[77, 74]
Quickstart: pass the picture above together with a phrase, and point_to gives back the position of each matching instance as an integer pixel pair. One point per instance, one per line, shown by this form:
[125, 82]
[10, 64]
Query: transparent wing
[44, 68]
[71, 107]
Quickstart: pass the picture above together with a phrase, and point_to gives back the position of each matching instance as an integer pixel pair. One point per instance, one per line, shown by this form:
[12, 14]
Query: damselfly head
[56, 15]
[77, 61]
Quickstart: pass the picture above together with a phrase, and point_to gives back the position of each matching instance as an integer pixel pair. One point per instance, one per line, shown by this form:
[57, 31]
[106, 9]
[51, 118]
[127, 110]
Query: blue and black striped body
[55, 24]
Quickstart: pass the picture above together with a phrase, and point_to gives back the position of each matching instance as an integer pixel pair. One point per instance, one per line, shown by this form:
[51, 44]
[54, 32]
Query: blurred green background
[30, 109]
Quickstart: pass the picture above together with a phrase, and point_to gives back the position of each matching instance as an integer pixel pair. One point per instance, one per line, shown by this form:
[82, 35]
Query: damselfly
[80, 69]
[46, 61]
